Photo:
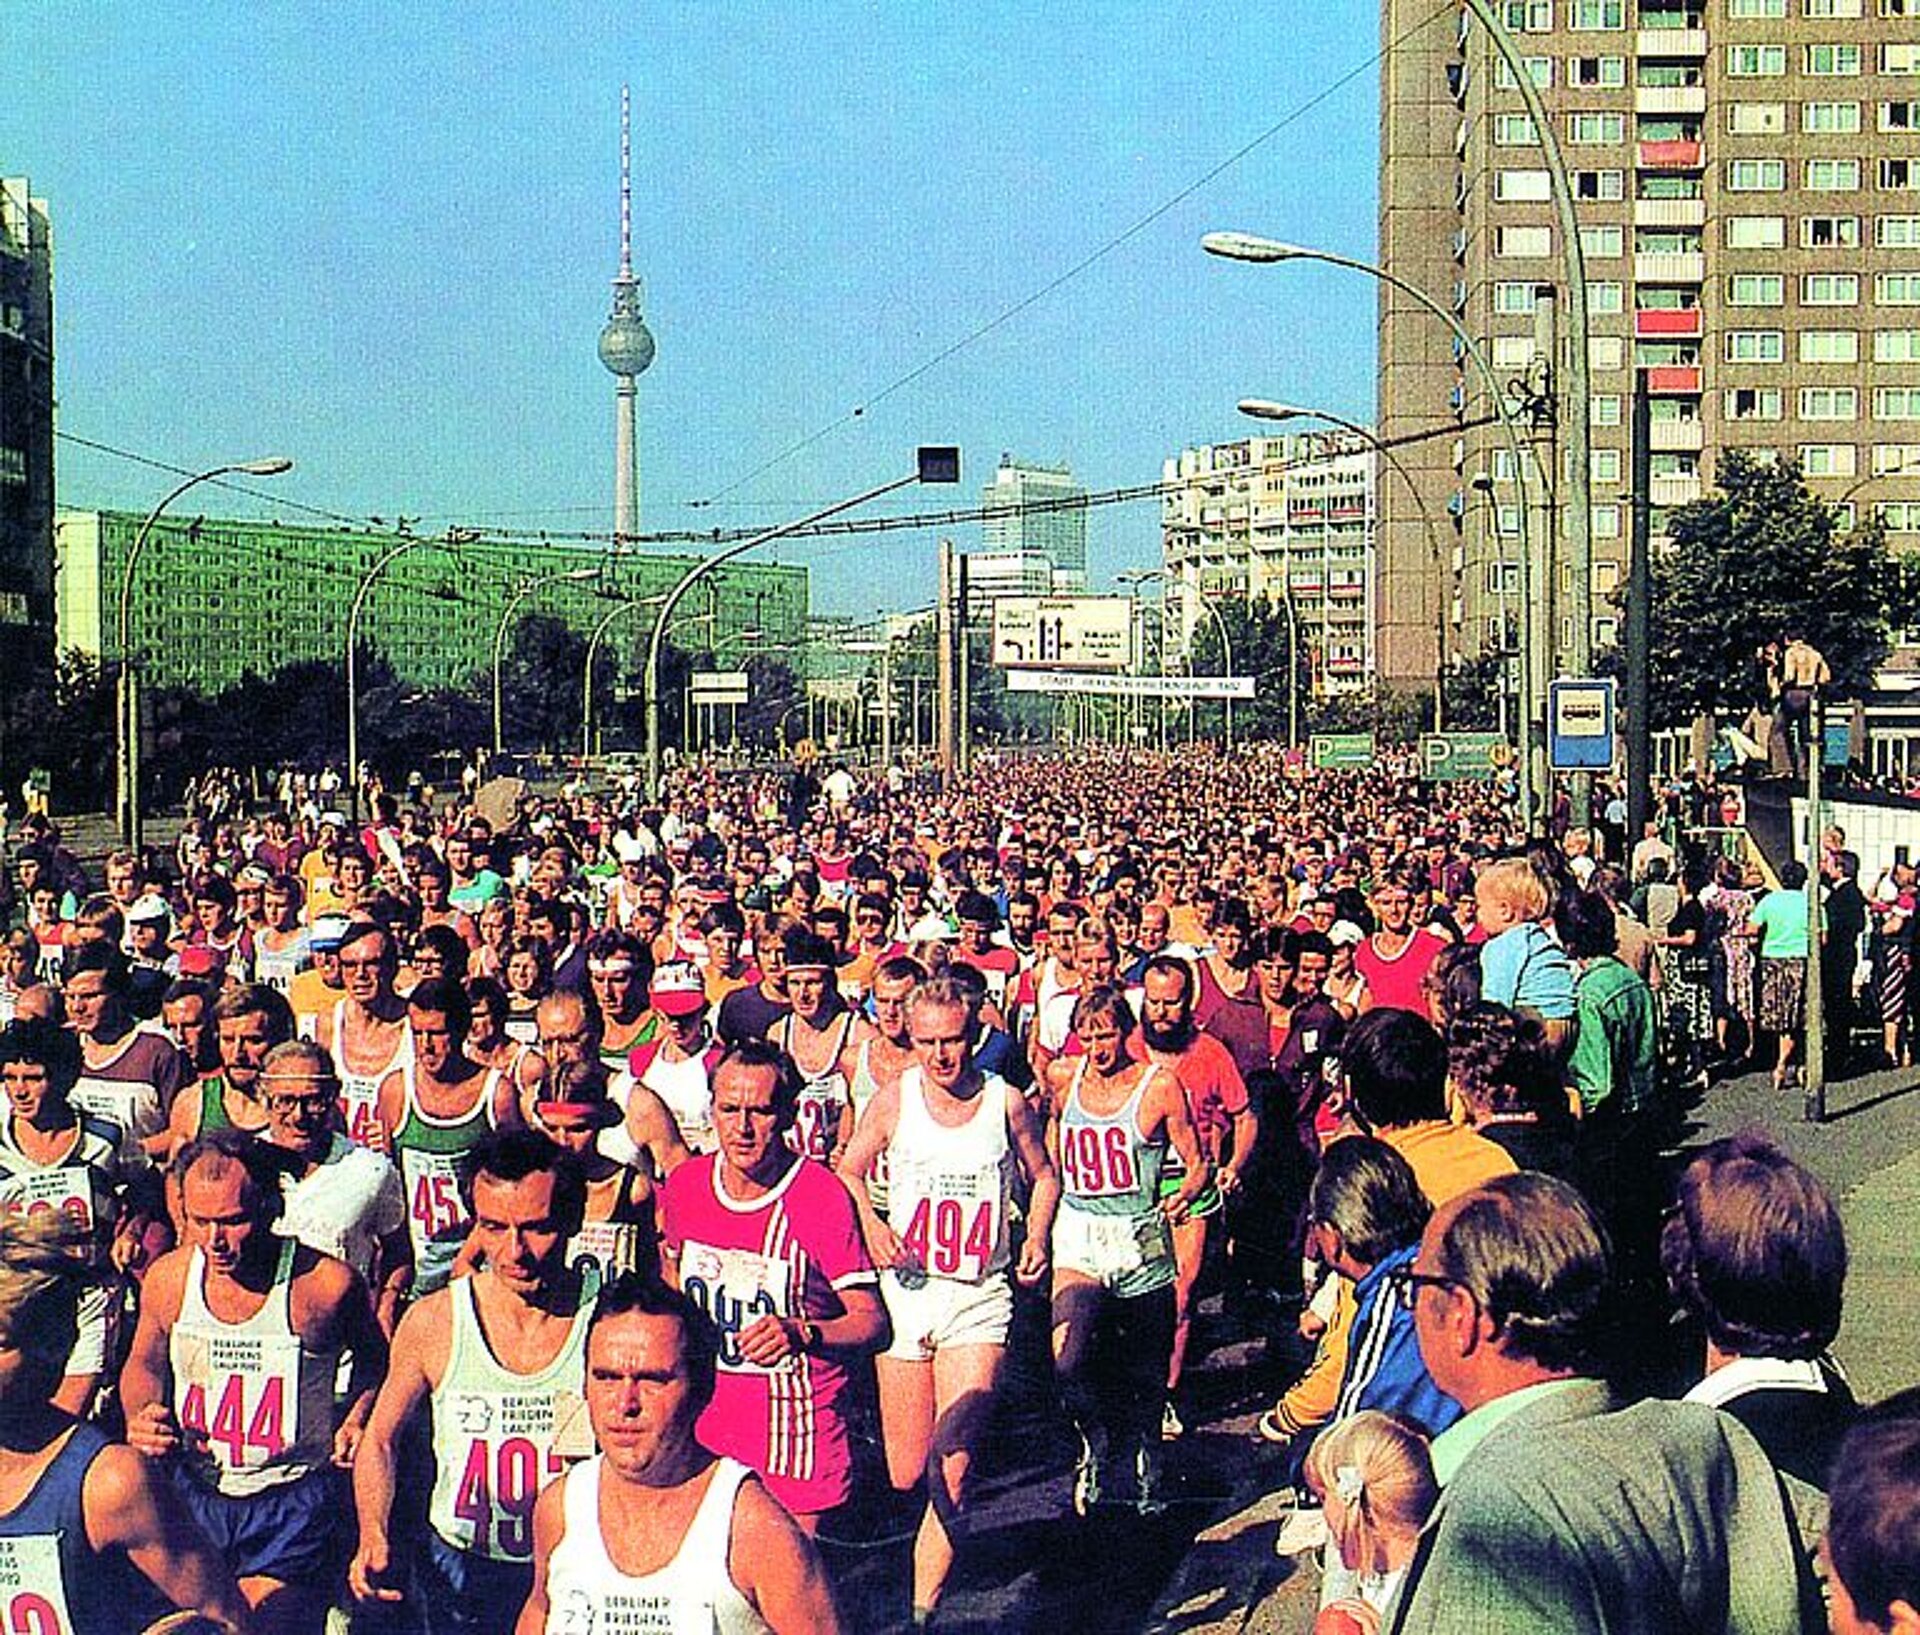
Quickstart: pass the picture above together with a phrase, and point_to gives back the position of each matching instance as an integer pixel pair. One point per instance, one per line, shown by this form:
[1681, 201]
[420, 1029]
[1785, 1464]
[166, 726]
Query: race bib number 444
[240, 1397]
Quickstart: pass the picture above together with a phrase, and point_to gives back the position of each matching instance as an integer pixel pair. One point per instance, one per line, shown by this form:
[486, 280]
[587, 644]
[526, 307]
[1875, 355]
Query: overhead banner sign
[1063, 632]
[1104, 686]
[719, 686]
[1579, 725]
[1451, 755]
[1340, 751]
[834, 689]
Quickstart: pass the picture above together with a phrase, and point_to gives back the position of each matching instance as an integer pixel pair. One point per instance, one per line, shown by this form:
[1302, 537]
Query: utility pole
[886, 701]
[1639, 621]
[1814, 1105]
[944, 677]
[963, 668]
[1541, 632]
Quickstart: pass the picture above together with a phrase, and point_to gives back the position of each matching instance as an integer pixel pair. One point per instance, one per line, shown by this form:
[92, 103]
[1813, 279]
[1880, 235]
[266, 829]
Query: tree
[1762, 554]
[1473, 692]
[541, 684]
[1259, 637]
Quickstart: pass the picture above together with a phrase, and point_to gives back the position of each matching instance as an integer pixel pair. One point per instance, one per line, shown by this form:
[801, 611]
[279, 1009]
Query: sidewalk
[1868, 1152]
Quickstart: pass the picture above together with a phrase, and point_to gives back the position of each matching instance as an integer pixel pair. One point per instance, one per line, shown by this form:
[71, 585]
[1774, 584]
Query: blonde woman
[1375, 1477]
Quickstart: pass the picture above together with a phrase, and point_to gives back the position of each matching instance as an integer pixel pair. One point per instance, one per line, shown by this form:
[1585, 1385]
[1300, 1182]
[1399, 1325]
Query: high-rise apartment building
[1058, 532]
[1284, 518]
[214, 598]
[1747, 183]
[26, 436]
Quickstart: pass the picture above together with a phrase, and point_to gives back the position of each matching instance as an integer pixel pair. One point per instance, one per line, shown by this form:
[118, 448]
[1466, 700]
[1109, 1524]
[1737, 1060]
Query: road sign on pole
[1450, 755]
[1340, 751]
[1064, 632]
[1580, 735]
[719, 686]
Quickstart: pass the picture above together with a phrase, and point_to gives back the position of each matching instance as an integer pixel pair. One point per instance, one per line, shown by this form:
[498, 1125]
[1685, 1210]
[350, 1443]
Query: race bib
[956, 1226]
[618, 1612]
[1096, 1161]
[358, 1098]
[241, 1394]
[33, 1595]
[67, 1189]
[510, 1452]
[734, 1287]
[612, 1246]
[436, 1213]
[816, 1128]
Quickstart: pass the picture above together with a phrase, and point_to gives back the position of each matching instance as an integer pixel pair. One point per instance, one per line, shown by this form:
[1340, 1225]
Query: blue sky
[378, 237]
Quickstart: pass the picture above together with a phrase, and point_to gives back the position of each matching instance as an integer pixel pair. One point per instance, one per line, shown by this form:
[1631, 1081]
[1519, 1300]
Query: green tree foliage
[64, 723]
[1258, 639]
[1759, 555]
[541, 679]
[1473, 693]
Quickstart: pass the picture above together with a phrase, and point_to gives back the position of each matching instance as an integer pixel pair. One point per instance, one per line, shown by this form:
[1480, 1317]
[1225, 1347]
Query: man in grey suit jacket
[1560, 1510]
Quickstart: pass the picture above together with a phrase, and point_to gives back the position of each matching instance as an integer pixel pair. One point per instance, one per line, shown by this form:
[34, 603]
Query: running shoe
[1086, 1478]
[1148, 1499]
[1171, 1426]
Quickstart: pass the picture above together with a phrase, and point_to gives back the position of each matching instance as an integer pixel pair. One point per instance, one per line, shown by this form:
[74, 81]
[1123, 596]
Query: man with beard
[1224, 1122]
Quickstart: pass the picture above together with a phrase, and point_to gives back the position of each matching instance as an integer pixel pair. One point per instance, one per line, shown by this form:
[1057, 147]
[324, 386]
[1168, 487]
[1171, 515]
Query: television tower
[626, 348]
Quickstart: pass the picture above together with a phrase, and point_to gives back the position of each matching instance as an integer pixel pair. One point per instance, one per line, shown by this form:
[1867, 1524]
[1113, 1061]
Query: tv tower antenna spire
[626, 348]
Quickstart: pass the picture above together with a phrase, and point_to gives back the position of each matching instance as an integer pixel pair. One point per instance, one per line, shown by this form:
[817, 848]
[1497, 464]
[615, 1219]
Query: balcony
[1670, 267]
[1676, 436]
[1674, 380]
[1671, 44]
[1676, 154]
[1683, 325]
[1669, 212]
[1674, 490]
[1670, 99]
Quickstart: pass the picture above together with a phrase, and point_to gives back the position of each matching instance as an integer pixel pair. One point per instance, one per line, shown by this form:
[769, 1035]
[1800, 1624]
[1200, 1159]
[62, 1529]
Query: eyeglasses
[1406, 1283]
[281, 1102]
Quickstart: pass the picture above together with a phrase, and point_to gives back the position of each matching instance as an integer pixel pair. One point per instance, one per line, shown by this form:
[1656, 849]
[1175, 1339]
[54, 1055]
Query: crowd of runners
[564, 1222]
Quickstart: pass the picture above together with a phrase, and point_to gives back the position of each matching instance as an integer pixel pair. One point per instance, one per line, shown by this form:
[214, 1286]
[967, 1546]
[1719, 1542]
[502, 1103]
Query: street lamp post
[128, 703]
[1250, 247]
[1265, 409]
[932, 465]
[527, 588]
[367, 581]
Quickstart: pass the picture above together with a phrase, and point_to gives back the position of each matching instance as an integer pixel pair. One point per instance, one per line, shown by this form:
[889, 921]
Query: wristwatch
[809, 1333]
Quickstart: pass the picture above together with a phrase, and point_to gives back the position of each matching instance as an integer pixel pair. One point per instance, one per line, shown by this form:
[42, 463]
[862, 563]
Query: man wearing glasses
[1561, 1510]
[343, 1200]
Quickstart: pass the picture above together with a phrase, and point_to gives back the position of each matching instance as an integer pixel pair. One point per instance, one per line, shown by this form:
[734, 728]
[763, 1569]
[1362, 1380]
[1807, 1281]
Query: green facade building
[216, 598]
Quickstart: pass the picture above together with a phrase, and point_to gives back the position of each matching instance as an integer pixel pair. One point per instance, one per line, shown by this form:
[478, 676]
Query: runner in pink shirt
[768, 1244]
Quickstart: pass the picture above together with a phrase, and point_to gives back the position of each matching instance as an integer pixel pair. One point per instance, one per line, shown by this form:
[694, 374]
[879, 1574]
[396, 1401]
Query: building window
[1596, 129]
[1506, 521]
[1523, 241]
[1827, 459]
[1896, 232]
[1896, 346]
[1832, 59]
[1587, 15]
[1605, 522]
[1896, 403]
[1757, 118]
[1830, 118]
[1606, 352]
[1600, 184]
[1603, 242]
[1753, 10]
[1756, 175]
[1513, 297]
[1512, 351]
[1527, 16]
[1896, 459]
[1832, 175]
[1539, 70]
[1605, 298]
[1514, 131]
[1606, 465]
[1753, 403]
[1900, 516]
[1900, 58]
[1756, 232]
[1829, 346]
[1522, 187]
[1756, 61]
[1604, 409]
[1830, 232]
[1900, 116]
[1756, 290]
[1900, 176]
[1829, 289]
[1896, 289]
[1597, 73]
[1829, 403]
[1833, 8]
[1756, 346]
